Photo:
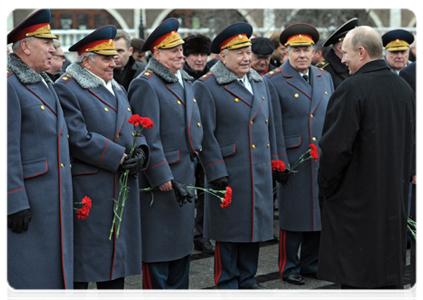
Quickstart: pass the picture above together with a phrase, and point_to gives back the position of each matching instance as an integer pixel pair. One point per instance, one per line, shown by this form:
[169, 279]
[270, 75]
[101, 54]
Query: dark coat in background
[39, 179]
[175, 140]
[239, 142]
[364, 176]
[99, 136]
[333, 65]
[299, 111]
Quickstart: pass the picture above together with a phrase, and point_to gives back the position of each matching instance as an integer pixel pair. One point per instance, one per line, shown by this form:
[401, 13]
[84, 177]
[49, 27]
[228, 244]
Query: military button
[133, 133]
[201, 149]
[195, 100]
[263, 98]
[251, 122]
[179, 102]
[68, 135]
[253, 146]
[326, 93]
[62, 165]
[42, 107]
[129, 109]
[268, 145]
[70, 166]
[117, 136]
[314, 139]
[267, 121]
[106, 109]
[199, 125]
[296, 95]
[311, 116]
[236, 99]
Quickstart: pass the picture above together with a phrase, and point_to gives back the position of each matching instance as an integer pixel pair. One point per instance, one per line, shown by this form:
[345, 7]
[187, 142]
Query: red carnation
[278, 165]
[228, 198]
[314, 152]
[146, 122]
[83, 212]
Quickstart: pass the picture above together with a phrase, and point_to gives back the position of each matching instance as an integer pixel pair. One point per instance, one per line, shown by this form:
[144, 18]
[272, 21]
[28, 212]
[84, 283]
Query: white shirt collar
[108, 85]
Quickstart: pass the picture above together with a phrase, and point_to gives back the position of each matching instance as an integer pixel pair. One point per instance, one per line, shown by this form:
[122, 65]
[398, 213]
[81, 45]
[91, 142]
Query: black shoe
[232, 295]
[205, 247]
[257, 290]
[294, 278]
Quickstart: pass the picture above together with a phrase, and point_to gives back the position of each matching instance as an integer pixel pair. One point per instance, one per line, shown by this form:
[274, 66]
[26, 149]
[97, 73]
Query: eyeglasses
[60, 56]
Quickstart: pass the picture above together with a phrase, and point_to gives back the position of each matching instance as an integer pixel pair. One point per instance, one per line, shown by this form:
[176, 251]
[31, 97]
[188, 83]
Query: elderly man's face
[121, 60]
[237, 60]
[197, 61]
[260, 63]
[172, 58]
[41, 52]
[397, 59]
[351, 57]
[102, 66]
[300, 57]
[57, 61]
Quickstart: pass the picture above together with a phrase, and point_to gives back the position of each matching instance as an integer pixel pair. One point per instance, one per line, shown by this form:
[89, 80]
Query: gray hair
[17, 45]
[226, 51]
[369, 39]
[90, 55]
[289, 47]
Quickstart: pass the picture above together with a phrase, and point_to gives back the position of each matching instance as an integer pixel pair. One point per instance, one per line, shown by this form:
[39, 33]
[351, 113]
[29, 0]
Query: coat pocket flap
[172, 157]
[228, 150]
[79, 168]
[293, 141]
[34, 168]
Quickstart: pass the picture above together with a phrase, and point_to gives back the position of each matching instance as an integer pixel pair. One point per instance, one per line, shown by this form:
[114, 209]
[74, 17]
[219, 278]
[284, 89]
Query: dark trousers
[289, 244]
[199, 205]
[106, 290]
[166, 275]
[235, 265]
[380, 293]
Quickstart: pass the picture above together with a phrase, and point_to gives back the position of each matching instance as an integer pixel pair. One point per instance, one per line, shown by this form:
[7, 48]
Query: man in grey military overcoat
[39, 187]
[300, 94]
[97, 111]
[163, 92]
[238, 147]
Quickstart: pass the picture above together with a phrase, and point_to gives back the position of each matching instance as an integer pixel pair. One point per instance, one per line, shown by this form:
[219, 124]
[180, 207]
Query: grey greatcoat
[175, 140]
[239, 142]
[299, 109]
[365, 172]
[99, 136]
[39, 179]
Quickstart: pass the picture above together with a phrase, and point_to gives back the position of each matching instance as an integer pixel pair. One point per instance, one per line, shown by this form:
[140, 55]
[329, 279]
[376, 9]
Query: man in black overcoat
[365, 166]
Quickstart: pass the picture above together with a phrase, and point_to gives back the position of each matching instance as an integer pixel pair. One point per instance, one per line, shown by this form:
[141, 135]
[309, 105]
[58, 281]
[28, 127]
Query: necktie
[305, 77]
[242, 82]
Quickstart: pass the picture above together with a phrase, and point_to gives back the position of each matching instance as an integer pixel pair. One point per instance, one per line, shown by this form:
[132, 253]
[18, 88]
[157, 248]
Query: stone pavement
[201, 271]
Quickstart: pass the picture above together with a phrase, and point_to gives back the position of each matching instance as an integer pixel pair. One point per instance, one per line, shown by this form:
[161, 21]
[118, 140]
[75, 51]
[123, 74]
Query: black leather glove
[220, 183]
[281, 177]
[19, 221]
[182, 193]
[134, 164]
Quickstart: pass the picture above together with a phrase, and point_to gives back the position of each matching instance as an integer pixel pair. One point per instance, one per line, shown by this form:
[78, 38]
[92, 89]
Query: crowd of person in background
[232, 114]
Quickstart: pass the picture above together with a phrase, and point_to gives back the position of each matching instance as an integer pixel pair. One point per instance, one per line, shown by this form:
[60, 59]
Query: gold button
[68, 135]
[254, 146]
[42, 107]
[326, 93]
[70, 166]
[296, 95]
[133, 133]
[106, 109]
[236, 99]
[129, 109]
[62, 165]
[199, 125]
[179, 102]
[314, 139]
[201, 149]
[311, 116]
[252, 122]
[267, 121]
[117, 136]
[268, 145]
[263, 98]
[195, 100]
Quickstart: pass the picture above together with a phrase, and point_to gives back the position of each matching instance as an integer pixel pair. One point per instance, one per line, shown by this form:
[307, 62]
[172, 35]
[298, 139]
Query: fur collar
[164, 73]
[224, 76]
[85, 78]
[23, 72]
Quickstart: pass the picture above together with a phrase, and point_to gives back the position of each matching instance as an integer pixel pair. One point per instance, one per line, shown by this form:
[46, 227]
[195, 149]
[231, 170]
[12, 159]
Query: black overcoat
[364, 176]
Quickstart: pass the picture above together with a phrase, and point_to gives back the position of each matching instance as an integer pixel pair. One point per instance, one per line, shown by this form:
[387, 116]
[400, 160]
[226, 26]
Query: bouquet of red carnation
[225, 196]
[83, 212]
[141, 123]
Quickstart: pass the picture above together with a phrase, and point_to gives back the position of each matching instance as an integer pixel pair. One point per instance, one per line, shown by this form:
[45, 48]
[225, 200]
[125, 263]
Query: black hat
[232, 37]
[100, 41]
[397, 40]
[165, 36]
[36, 25]
[262, 46]
[299, 35]
[196, 43]
[339, 34]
